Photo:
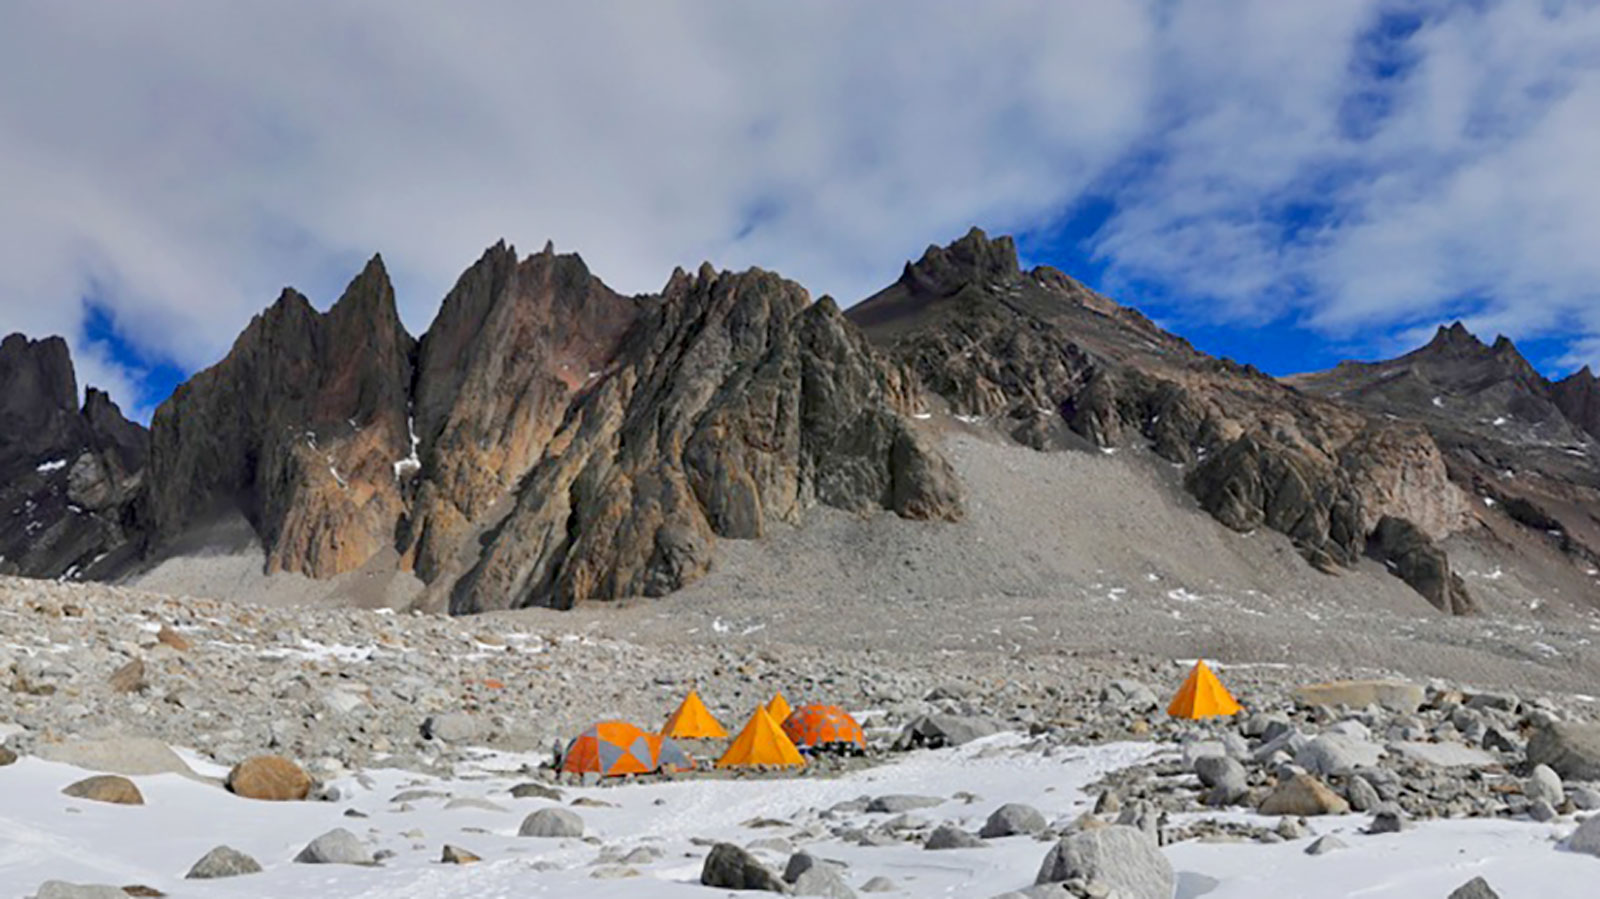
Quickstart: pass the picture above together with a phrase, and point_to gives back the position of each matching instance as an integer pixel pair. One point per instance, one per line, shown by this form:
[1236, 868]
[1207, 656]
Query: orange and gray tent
[778, 708]
[612, 748]
[693, 721]
[667, 754]
[762, 743]
[1202, 696]
[823, 726]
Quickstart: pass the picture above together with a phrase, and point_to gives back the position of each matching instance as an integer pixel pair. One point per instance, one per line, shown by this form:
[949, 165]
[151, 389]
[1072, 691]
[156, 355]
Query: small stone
[1387, 819]
[1586, 838]
[1325, 844]
[336, 847]
[947, 836]
[822, 880]
[536, 791]
[113, 788]
[879, 885]
[129, 678]
[1540, 810]
[1476, 888]
[894, 805]
[169, 637]
[270, 778]
[60, 889]
[455, 855]
[223, 861]
[552, 823]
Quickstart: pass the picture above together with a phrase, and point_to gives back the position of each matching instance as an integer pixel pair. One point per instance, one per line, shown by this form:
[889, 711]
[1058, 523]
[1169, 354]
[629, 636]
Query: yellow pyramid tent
[762, 742]
[779, 709]
[693, 721]
[1202, 696]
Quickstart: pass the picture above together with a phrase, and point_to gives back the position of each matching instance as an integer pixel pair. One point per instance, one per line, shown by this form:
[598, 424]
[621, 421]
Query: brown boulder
[169, 637]
[1303, 796]
[269, 777]
[7, 757]
[455, 855]
[112, 788]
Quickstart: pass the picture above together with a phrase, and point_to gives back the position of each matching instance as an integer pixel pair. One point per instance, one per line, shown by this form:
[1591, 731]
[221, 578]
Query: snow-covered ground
[45, 835]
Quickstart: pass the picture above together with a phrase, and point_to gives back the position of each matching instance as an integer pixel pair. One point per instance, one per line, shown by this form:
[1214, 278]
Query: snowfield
[47, 836]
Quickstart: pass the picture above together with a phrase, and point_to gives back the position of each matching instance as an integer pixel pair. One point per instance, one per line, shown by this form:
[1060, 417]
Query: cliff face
[1049, 362]
[734, 403]
[299, 429]
[67, 474]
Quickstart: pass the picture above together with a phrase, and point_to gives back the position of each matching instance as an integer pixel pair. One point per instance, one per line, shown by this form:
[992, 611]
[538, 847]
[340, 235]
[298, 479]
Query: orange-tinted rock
[271, 778]
[112, 788]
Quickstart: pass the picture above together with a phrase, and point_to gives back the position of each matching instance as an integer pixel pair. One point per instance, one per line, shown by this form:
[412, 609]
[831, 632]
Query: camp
[778, 708]
[762, 743]
[617, 748]
[826, 727]
[693, 721]
[1202, 696]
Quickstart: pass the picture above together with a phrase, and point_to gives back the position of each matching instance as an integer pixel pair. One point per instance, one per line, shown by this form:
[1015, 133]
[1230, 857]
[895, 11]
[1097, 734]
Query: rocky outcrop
[1052, 364]
[1578, 397]
[67, 473]
[736, 402]
[512, 344]
[299, 429]
[1415, 559]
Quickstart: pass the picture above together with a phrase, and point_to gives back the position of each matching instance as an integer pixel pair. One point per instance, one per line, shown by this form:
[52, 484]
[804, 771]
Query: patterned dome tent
[612, 748]
[819, 726]
[668, 755]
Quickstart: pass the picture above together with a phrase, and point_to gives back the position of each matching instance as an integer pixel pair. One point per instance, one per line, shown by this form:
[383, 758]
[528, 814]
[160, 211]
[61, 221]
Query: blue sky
[1286, 184]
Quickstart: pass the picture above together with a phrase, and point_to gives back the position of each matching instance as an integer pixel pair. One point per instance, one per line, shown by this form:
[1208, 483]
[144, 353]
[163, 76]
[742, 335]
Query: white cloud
[190, 158]
[185, 160]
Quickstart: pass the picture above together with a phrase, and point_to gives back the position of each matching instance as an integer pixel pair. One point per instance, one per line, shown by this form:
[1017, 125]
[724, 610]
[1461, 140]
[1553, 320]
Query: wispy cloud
[1358, 167]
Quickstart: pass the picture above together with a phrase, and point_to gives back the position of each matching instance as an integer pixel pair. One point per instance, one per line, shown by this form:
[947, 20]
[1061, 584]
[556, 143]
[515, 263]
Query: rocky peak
[40, 386]
[972, 260]
[1578, 397]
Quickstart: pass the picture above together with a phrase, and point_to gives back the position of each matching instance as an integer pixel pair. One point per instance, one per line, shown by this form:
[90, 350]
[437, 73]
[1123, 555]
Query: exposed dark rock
[298, 429]
[1415, 559]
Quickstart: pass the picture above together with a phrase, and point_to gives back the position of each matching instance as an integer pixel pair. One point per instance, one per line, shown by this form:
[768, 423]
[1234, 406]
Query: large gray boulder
[223, 861]
[1337, 754]
[1012, 819]
[1122, 858]
[729, 867]
[1476, 888]
[453, 727]
[60, 889]
[1394, 695]
[935, 731]
[948, 836]
[1586, 838]
[896, 804]
[821, 880]
[552, 823]
[1571, 750]
[128, 756]
[1129, 696]
[336, 847]
[1226, 778]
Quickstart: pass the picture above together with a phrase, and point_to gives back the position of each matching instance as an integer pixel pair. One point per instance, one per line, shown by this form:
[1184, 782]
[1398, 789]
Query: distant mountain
[67, 473]
[549, 441]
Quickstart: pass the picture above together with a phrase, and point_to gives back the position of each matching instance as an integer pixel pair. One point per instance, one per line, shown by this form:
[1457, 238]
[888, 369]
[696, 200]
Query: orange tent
[693, 721]
[823, 726]
[1202, 696]
[778, 708]
[613, 748]
[761, 743]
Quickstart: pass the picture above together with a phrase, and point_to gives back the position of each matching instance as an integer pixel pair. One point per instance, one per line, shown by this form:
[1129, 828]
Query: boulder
[1570, 750]
[1443, 755]
[1362, 795]
[7, 757]
[1476, 888]
[1122, 858]
[129, 678]
[821, 880]
[455, 855]
[223, 861]
[271, 778]
[1394, 695]
[1544, 783]
[1303, 796]
[935, 731]
[113, 788]
[1415, 558]
[1012, 819]
[1387, 818]
[128, 756]
[879, 885]
[1129, 696]
[532, 790]
[336, 847]
[1586, 838]
[455, 727]
[948, 836]
[1337, 754]
[729, 867]
[552, 823]
[897, 804]
[1325, 844]
[58, 889]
